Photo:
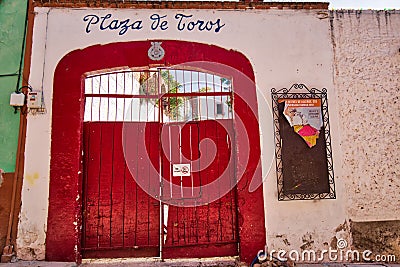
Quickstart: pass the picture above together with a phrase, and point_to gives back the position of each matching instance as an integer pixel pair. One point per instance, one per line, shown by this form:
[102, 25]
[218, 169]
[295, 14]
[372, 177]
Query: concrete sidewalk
[209, 262]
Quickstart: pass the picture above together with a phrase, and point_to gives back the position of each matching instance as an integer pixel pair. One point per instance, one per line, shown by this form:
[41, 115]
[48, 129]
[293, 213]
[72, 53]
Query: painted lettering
[92, 19]
[107, 24]
[219, 25]
[103, 20]
[137, 25]
[124, 27]
[180, 17]
[114, 25]
[185, 23]
[191, 26]
[158, 23]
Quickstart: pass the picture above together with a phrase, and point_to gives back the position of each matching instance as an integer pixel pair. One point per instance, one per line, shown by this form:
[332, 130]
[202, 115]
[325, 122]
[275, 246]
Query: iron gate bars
[303, 173]
[119, 217]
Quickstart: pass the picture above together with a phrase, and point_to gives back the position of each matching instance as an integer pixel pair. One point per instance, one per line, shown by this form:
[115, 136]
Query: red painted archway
[64, 217]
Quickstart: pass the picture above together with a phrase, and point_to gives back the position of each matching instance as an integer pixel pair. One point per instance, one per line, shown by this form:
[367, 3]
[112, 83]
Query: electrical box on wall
[17, 99]
[34, 99]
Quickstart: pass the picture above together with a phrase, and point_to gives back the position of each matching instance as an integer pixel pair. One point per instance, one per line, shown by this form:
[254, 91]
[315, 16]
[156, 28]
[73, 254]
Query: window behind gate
[157, 95]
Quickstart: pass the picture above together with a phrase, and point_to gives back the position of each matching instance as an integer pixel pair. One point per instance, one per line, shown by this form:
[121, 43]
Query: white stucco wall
[33, 216]
[284, 47]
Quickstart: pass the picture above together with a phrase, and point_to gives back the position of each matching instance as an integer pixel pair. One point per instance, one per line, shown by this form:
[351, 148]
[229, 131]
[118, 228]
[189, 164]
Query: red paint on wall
[65, 204]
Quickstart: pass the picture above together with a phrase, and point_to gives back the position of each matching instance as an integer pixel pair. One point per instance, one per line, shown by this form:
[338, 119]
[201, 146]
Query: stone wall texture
[382, 238]
[367, 82]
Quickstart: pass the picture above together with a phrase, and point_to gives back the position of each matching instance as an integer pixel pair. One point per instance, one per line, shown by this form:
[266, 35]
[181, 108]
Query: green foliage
[205, 89]
[170, 83]
[173, 103]
[226, 81]
[229, 102]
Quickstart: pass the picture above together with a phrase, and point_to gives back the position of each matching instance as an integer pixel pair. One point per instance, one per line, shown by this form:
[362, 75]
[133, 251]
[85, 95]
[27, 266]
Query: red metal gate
[174, 111]
[206, 230]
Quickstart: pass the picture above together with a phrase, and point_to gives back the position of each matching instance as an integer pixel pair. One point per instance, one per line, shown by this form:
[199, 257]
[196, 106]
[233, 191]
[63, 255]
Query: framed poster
[303, 152]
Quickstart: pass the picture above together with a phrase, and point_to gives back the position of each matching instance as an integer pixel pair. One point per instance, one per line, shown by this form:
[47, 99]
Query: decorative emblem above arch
[65, 208]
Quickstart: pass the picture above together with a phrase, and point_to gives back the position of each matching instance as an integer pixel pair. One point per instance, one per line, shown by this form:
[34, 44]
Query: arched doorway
[67, 174]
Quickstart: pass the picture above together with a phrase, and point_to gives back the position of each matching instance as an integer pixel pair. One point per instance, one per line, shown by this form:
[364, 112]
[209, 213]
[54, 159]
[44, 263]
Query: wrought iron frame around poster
[300, 91]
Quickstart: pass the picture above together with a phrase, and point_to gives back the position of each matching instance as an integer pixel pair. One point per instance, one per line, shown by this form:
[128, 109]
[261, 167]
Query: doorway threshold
[157, 262]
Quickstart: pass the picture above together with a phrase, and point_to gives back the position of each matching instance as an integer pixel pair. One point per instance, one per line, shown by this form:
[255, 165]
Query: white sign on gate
[181, 170]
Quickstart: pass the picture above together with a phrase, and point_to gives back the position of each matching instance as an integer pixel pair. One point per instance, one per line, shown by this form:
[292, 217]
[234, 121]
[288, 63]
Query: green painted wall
[12, 21]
